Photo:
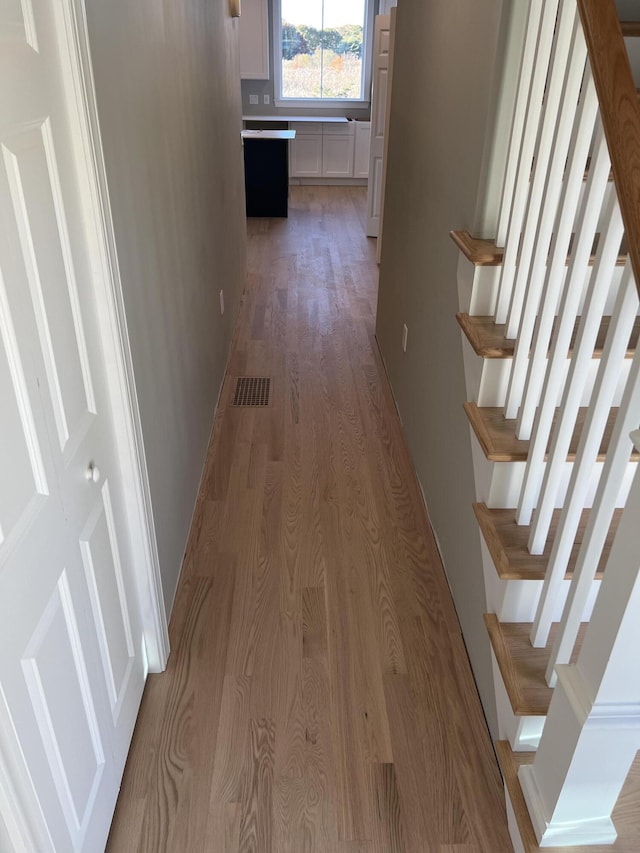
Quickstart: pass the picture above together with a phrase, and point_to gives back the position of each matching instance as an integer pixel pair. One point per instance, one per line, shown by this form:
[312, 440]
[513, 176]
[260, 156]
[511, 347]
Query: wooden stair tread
[488, 338]
[522, 666]
[485, 253]
[481, 253]
[630, 29]
[626, 815]
[497, 434]
[507, 543]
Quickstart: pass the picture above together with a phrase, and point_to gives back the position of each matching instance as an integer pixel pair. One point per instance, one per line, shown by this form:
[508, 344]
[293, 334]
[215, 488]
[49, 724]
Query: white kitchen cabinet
[361, 150]
[305, 156]
[337, 150]
[253, 33]
[323, 150]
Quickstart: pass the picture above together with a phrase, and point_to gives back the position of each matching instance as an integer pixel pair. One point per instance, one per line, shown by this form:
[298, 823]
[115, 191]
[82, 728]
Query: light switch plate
[253, 99]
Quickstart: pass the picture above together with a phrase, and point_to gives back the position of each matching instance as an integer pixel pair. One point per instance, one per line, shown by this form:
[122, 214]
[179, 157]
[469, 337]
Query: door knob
[92, 473]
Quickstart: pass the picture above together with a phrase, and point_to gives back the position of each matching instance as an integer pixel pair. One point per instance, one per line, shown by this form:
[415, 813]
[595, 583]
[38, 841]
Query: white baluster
[572, 292]
[520, 112]
[604, 504]
[590, 440]
[592, 730]
[530, 136]
[533, 359]
[597, 292]
[553, 262]
[561, 102]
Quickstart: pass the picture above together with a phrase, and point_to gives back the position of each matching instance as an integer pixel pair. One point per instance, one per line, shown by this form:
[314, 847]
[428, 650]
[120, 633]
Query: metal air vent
[252, 391]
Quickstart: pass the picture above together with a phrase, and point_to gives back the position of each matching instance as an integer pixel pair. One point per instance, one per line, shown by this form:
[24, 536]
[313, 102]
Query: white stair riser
[517, 600]
[478, 288]
[498, 484]
[487, 379]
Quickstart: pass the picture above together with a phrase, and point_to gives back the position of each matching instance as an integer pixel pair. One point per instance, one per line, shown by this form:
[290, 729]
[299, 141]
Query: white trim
[588, 711]
[598, 830]
[126, 414]
[319, 104]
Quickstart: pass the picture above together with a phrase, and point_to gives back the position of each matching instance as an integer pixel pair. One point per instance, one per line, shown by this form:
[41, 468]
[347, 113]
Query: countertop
[268, 134]
[324, 119]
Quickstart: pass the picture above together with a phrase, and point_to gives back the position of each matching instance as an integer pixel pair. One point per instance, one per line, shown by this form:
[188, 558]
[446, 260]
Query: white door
[72, 664]
[381, 43]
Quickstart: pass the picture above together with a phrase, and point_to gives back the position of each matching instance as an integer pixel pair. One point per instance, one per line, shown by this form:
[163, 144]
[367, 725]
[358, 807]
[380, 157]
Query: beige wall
[168, 91]
[446, 142]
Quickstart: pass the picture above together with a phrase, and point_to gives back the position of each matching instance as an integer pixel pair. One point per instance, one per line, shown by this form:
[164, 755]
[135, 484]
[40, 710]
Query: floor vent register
[252, 391]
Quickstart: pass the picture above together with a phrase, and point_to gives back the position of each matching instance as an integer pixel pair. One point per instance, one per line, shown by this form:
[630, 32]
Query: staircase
[550, 327]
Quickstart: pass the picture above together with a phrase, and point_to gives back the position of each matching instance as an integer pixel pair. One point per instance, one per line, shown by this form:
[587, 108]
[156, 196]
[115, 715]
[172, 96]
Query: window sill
[316, 106]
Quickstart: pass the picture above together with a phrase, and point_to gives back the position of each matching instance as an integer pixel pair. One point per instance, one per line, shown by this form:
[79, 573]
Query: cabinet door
[253, 32]
[361, 159]
[306, 156]
[337, 155]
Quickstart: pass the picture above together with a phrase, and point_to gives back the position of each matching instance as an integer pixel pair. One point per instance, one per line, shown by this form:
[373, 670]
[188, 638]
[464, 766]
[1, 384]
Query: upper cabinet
[254, 40]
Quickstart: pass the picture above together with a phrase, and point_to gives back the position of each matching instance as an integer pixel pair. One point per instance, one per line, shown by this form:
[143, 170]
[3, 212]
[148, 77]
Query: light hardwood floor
[318, 695]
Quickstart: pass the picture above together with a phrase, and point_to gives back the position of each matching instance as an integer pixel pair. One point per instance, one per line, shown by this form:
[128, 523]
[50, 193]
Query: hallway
[318, 695]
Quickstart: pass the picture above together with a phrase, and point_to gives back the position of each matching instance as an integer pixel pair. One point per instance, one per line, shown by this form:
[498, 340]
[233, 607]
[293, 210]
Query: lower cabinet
[337, 150]
[329, 150]
[305, 156]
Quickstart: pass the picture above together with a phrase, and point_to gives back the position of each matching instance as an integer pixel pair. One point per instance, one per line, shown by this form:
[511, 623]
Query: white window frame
[319, 104]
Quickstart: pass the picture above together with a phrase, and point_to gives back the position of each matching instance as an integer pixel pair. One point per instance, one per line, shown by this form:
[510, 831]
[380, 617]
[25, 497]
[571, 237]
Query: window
[322, 55]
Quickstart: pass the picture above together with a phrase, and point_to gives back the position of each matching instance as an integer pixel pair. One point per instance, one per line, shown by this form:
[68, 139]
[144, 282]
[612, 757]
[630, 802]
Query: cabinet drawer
[306, 128]
[337, 128]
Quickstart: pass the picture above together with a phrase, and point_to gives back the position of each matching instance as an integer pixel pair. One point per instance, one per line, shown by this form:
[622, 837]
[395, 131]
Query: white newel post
[592, 731]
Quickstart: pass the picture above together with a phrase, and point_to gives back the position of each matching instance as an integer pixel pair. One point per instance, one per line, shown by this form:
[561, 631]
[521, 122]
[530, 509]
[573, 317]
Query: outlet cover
[254, 99]
[266, 99]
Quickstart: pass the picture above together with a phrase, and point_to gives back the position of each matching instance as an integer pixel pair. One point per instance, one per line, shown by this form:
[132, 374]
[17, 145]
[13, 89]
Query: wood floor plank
[320, 828]
[223, 829]
[318, 697]
[230, 763]
[314, 623]
[256, 824]
[388, 825]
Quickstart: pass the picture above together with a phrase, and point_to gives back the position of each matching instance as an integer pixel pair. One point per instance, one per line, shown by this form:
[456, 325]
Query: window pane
[322, 48]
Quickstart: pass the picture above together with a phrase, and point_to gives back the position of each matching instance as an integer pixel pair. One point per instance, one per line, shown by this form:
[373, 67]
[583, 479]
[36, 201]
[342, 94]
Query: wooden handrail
[620, 111]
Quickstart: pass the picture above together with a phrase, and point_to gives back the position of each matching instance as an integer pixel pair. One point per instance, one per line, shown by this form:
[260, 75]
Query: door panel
[21, 462]
[380, 95]
[17, 23]
[72, 661]
[63, 707]
[38, 207]
[109, 603]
